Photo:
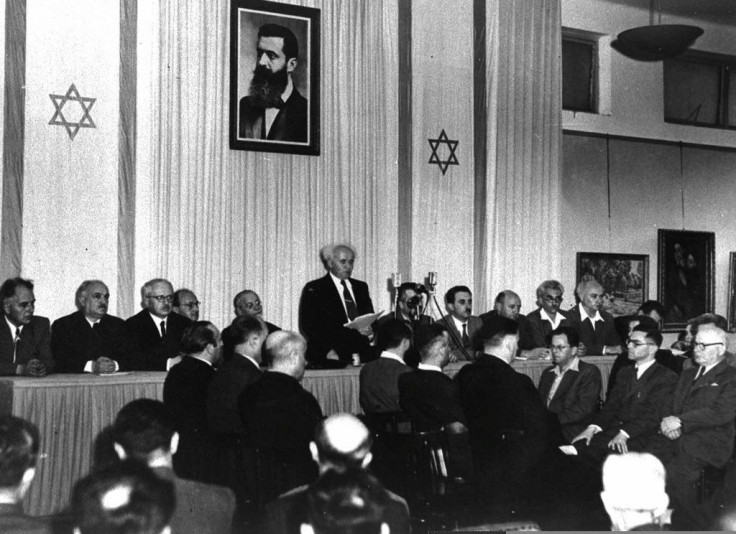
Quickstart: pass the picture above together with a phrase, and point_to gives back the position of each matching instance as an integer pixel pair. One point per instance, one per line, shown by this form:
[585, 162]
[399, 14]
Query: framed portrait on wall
[624, 277]
[731, 291]
[686, 283]
[274, 77]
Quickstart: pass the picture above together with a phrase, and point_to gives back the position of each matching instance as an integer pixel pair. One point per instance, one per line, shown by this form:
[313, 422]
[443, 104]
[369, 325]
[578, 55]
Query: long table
[71, 411]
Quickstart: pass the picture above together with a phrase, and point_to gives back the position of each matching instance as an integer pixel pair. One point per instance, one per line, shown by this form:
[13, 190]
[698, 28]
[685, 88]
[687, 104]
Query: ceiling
[712, 11]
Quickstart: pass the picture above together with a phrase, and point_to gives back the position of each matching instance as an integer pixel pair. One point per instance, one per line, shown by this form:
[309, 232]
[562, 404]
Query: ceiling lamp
[656, 42]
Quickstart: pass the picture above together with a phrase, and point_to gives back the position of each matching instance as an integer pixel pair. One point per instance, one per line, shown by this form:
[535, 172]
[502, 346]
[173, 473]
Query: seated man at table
[540, 323]
[186, 303]
[570, 388]
[25, 339]
[279, 415]
[461, 325]
[19, 443]
[126, 497]
[595, 326]
[143, 430]
[247, 303]
[155, 332]
[90, 340]
[379, 379]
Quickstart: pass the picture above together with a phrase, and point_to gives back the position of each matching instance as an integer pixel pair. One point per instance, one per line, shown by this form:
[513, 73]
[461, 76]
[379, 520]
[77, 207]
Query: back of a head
[425, 336]
[634, 482]
[494, 330]
[125, 498]
[19, 442]
[143, 427]
[349, 502]
[652, 306]
[342, 441]
[197, 336]
[391, 334]
[284, 349]
[245, 326]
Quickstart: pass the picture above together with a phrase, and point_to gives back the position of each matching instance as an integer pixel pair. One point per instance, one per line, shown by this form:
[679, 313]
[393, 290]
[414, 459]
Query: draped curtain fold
[217, 220]
[523, 94]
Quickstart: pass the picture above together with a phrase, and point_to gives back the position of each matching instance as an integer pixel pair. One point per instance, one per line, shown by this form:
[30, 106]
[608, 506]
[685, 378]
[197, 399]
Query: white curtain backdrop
[217, 220]
[523, 92]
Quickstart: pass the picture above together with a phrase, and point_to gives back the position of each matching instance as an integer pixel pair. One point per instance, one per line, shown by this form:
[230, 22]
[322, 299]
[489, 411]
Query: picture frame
[686, 282]
[731, 291]
[274, 77]
[624, 277]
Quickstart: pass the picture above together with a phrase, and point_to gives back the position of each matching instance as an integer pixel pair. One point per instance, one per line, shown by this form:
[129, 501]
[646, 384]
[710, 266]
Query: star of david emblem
[451, 147]
[83, 109]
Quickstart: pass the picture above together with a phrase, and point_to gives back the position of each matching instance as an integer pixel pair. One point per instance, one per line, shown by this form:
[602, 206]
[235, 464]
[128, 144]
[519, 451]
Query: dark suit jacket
[594, 340]
[150, 351]
[200, 508]
[534, 331]
[286, 514]
[35, 343]
[431, 399]
[230, 380]
[379, 385]
[74, 342]
[322, 316]
[576, 399]
[289, 125]
[228, 346]
[14, 521]
[411, 357]
[456, 336]
[707, 408]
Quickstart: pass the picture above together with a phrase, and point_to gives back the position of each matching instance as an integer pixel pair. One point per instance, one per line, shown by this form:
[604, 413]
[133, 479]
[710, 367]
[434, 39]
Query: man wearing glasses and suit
[155, 332]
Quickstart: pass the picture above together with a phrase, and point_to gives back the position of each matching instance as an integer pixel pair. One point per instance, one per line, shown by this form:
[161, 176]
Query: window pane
[691, 91]
[577, 76]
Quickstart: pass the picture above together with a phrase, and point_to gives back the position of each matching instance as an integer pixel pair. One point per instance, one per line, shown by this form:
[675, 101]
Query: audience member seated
[155, 332]
[25, 340]
[342, 444]
[460, 324]
[571, 388]
[634, 492]
[19, 441]
[596, 328]
[692, 330]
[185, 396]
[279, 416]
[143, 430]
[330, 302]
[432, 399]
[507, 304]
[540, 323]
[247, 303]
[408, 309]
[629, 420]
[700, 425]
[651, 309]
[186, 303]
[90, 340]
[126, 498]
[507, 421]
[379, 379]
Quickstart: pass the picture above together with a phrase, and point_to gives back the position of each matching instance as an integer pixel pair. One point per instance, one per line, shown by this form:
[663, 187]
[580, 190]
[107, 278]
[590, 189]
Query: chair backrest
[431, 459]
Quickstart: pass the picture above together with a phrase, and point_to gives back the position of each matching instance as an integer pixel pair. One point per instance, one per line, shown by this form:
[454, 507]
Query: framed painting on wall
[732, 291]
[624, 277]
[274, 77]
[686, 283]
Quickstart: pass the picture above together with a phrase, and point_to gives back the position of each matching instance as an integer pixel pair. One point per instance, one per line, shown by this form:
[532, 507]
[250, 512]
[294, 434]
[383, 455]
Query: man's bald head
[341, 442]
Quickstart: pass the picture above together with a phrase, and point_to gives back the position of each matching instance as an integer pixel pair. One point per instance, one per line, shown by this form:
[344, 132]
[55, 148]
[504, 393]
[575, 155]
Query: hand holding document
[364, 321]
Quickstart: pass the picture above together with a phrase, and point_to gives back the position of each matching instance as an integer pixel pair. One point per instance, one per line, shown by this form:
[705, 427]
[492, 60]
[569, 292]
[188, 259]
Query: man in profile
[90, 340]
[460, 323]
[274, 110]
[330, 302]
[186, 304]
[25, 338]
[19, 441]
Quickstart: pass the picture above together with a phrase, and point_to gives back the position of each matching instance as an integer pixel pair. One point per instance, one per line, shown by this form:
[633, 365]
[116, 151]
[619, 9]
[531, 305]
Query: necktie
[349, 304]
[466, 339]
[163, 329]
[96, 325]
[699, 373]
[15, 344]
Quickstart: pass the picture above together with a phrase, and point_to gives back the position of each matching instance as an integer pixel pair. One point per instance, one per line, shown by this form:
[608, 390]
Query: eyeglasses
[251, 305]
[637, 343]
[702, 346]
[558, 348]
[162, 298]
[193, 304]
[552, 300]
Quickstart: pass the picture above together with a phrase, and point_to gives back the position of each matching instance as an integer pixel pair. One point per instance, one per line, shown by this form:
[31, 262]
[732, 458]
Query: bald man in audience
[247, 303]
[155, 332]
[461, 325]
[341, 443]
[330, 302]
[595, 326]
[25, 339]
[700, 426]
[90, 340]
[540, 323]
[186, 303]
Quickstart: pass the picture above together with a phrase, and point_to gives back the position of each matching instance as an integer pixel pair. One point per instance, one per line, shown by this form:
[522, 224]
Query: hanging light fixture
[656, 42]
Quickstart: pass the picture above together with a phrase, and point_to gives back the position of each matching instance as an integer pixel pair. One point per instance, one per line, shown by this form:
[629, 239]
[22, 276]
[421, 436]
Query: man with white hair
[633, 492]
[595, 326]
[328, 303]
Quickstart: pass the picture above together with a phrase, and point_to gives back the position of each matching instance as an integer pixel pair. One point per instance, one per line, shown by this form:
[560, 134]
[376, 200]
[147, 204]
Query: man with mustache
[274, 110]
[25, 347]
[90, 340]
[155, 332]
